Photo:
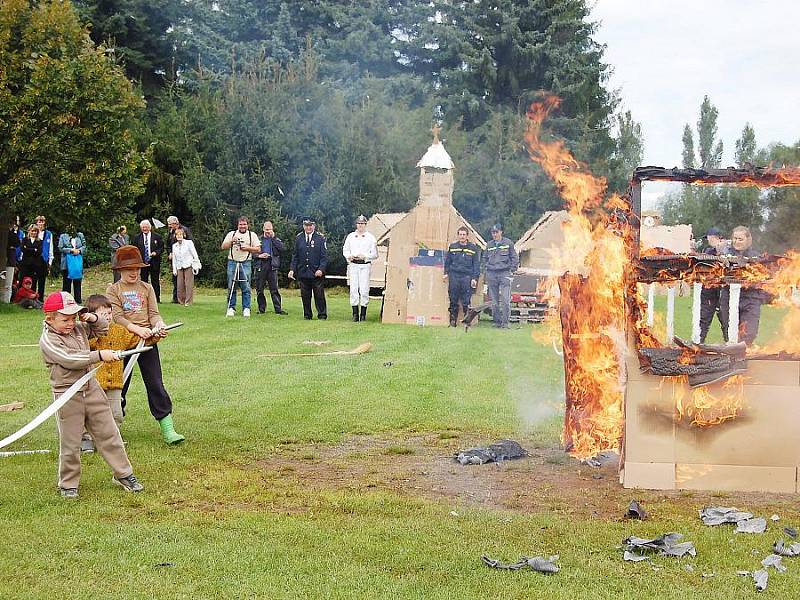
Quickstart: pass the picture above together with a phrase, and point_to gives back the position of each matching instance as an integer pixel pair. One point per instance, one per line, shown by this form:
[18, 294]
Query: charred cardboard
[750, 452]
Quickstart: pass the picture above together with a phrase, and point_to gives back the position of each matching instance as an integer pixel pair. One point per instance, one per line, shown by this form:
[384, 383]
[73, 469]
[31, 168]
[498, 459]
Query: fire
[592, 290]
[702, 408]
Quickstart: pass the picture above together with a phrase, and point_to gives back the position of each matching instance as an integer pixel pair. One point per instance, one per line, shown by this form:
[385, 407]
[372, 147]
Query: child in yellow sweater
[109, 376]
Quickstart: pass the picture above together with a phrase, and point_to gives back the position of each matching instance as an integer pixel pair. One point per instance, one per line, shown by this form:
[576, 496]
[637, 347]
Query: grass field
[331, 477]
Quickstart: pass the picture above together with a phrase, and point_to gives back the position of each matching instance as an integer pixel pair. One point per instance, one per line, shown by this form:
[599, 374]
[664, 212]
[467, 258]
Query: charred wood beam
[751, 175]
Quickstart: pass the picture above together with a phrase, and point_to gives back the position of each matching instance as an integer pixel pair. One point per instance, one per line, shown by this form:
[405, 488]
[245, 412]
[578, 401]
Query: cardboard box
[730, 478]
[649, 476]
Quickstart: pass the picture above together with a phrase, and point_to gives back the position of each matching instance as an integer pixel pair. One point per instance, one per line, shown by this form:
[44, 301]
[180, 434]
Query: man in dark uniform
[308, 265]
[462, 267]
[501, 262]
[174, 224]
[750, 299]
[151, 246]
[266, 265]
[709, 296]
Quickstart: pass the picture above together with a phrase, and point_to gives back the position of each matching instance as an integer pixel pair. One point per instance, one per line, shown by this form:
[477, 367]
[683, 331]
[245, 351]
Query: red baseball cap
[62, 302]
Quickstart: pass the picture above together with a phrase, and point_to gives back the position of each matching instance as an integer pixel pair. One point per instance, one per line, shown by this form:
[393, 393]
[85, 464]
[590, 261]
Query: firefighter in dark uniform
[750, 299]
[462, 267]
[501, 262]
[308, 265]
[709, 296]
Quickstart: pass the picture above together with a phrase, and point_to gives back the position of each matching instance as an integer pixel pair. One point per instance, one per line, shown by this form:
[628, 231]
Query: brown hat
[128, 257]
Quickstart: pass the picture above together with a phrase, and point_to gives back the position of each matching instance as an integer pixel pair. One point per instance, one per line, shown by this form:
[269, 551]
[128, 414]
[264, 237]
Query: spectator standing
[48, 253]
[185, 265]
[12, 257]
[72, 248]
[174, 225]
[31, 262]
[240, 244]
[360, 249]
[750, 299]
[151, 246]
[501, 262]
[266, 265]
[117, 240]
[309, 262]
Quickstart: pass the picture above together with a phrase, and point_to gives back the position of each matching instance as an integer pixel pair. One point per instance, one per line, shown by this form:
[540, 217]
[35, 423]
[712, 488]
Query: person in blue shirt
[501, 262]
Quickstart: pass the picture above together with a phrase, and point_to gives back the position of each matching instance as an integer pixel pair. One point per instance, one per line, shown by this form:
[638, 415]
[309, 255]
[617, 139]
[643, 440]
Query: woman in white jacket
[185, 265]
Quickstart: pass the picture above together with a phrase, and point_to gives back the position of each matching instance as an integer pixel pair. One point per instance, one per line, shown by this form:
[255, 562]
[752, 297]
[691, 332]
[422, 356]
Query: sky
[666, 55]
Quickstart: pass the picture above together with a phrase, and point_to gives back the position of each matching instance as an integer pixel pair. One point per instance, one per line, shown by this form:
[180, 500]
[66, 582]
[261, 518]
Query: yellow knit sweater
[109, 376]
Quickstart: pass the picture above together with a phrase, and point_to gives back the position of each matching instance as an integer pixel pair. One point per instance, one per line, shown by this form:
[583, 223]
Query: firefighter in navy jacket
[462, 267]
[309, 261]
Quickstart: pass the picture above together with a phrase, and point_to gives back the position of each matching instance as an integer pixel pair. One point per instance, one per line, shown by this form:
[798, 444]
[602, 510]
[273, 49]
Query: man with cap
[174, 224]
[360, 249]
[462, 267]
[501, 262]
[709, 296]
[309, 262]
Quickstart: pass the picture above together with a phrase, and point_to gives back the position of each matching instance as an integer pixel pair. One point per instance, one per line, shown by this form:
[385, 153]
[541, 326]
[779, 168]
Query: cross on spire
[435, 130]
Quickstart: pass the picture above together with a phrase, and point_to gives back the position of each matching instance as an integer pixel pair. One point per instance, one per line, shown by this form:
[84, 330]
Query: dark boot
[363, 316]
[355, 314]
[453, 320]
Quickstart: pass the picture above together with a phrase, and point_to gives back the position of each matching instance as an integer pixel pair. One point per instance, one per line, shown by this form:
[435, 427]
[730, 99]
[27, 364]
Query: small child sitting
[26, 296]
[65, 347]
[109, 376]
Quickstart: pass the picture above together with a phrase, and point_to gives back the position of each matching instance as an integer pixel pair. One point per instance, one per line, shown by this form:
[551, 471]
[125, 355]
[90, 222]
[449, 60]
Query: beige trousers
[90, 410]
[185, 285]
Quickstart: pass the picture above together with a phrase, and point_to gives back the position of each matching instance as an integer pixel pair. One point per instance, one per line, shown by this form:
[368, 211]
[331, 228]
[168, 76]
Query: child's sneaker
[130, 483]
[69, 493]
[230, 312]
[87, 445]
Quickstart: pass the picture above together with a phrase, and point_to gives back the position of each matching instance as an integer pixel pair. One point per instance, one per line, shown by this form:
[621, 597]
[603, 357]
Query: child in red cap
[26, 296]
[65, 346]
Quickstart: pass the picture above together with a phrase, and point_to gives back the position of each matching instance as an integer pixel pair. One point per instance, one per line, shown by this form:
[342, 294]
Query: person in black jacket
[31, 263]
[750, 298]
[266, 266]
[462, 267]
[151, 246]
[709, 296]
[308, 266]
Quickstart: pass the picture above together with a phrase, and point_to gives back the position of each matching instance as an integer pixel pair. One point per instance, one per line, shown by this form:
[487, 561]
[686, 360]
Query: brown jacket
[135, 304]
[118, 338]
[67, 355]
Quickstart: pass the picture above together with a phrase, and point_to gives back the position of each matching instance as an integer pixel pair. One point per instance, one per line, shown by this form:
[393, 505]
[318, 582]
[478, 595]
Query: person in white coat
[360, 249]
[185, 265]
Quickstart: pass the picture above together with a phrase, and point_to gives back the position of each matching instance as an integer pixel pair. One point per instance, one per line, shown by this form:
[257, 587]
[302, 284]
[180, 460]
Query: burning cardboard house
[681, 414]
[707, 417]
[415, 291]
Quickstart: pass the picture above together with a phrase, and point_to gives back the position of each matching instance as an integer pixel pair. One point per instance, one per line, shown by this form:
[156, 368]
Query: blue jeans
[244, 273]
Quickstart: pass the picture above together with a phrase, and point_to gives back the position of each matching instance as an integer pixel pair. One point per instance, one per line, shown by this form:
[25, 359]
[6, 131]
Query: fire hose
[59, 402]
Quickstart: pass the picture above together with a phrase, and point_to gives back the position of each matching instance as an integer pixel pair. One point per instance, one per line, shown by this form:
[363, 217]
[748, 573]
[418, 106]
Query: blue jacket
[308, 258]
[65, 247]
[463, 260]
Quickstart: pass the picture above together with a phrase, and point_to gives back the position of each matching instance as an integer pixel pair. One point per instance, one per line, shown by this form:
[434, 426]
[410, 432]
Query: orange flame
[702, 408]
[592, 290]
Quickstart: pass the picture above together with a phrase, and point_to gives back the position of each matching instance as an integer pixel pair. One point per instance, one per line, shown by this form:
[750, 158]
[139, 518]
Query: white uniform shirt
[356, 244]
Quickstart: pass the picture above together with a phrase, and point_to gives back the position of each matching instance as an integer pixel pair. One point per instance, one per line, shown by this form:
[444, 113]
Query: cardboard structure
[537, 245]
[755, 451]
[415, 291]
[380, 225]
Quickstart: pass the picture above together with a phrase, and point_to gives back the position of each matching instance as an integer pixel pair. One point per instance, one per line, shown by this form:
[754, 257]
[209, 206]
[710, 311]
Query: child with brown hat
[65, 346]
[134, 306]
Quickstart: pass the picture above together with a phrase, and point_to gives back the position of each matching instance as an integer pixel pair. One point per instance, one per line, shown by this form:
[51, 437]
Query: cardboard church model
[415, 291]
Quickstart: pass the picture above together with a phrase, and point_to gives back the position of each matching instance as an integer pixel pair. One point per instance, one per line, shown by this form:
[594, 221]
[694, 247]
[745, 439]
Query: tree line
[117, 110]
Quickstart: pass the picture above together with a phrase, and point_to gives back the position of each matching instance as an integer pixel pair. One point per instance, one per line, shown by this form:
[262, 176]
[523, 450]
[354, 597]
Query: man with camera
[240, 244]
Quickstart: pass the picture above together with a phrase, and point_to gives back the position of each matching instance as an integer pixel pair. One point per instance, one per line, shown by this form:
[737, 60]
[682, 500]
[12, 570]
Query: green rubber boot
[168, 431]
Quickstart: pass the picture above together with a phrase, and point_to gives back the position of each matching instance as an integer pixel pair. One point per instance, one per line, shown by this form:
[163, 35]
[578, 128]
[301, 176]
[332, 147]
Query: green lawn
[233, 523]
